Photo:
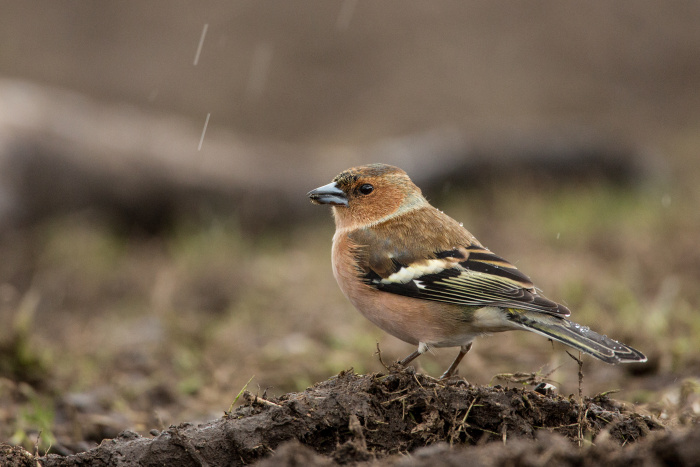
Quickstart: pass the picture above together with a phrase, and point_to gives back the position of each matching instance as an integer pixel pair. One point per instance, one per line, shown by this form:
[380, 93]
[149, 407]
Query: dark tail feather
[577, 336]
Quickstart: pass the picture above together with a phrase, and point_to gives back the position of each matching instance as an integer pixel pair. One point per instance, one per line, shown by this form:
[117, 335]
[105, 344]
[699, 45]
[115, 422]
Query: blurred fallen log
[62, 151]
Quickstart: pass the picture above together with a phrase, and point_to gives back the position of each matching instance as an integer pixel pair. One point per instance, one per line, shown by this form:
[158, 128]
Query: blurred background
[157, 249]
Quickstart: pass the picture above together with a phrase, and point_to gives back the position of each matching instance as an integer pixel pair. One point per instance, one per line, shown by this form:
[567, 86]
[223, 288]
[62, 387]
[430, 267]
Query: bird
[422, 277]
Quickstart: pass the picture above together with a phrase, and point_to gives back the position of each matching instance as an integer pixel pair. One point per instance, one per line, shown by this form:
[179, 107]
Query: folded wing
[470, 276]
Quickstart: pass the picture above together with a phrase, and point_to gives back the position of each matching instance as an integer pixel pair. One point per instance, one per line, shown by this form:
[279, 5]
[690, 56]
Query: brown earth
[402, 418]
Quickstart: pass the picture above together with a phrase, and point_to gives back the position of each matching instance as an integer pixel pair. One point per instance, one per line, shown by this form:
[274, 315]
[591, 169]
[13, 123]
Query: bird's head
[368, 194]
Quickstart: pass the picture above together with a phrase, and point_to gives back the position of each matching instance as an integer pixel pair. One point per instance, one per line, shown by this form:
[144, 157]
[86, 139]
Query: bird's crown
[352, 175]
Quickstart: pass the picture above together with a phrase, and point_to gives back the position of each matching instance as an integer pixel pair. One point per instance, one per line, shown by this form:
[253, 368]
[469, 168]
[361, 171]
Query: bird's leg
[453, 368]
[415, 354]
[422, 348]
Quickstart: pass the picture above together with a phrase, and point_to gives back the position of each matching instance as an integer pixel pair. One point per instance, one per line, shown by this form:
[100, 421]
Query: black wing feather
[483, 279]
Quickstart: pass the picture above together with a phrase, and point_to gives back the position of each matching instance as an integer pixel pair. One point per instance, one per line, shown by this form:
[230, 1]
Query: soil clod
[351, 419]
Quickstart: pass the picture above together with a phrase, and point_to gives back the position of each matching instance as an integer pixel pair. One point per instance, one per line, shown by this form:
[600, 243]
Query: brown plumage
[420, 276]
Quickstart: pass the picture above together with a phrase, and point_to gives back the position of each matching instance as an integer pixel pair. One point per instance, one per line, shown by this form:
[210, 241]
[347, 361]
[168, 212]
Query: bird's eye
[366, 189]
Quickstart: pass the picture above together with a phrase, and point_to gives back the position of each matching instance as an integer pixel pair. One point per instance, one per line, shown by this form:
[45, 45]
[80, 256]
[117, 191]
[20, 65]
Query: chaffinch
[422, 277]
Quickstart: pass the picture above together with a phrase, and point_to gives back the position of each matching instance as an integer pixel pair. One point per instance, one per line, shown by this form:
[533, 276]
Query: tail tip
[635, 357]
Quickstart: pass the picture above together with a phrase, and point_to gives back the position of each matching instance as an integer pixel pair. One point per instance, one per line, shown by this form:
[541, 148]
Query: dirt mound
[668, 448]
[352, 419]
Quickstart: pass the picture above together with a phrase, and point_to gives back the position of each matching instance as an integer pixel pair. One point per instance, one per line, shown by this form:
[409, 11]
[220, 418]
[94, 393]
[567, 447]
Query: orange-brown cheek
[374, 208]
[363, 210]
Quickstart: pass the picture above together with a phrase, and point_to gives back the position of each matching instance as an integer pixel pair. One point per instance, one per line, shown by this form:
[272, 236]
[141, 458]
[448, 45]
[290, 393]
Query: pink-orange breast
[410, 319]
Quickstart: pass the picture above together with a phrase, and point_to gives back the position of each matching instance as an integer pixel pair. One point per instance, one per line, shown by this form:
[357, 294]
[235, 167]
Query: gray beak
[328, 194]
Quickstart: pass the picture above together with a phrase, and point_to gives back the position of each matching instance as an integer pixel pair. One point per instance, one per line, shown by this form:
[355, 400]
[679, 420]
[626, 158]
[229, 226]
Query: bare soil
[400, 417]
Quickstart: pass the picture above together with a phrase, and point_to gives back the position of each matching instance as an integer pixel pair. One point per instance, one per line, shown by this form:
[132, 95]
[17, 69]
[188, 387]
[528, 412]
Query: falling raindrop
[201, 43]
[204, 130]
